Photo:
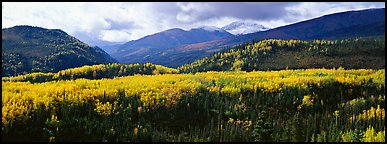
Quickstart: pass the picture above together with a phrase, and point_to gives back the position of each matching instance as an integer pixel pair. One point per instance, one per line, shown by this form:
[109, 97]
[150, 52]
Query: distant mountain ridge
[28, 49]
[157, 48]
[350, 24]
[343, 25]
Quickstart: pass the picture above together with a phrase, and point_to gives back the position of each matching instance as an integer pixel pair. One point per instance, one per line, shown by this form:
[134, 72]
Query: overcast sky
[99, 23]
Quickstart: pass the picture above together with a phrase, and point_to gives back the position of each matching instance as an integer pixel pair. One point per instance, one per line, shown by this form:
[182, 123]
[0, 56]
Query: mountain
[240, 27]
[333, 26]
[176, 47]
[350, 24]
[160, 48]
[28, 49]
[365, 53]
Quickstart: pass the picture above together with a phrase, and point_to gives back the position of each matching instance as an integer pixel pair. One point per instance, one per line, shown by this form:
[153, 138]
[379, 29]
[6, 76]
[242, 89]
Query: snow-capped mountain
[239, 27]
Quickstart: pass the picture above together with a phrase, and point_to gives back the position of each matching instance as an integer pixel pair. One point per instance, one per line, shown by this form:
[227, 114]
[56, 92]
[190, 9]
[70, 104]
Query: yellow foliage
[369, 114]
[103, 109]
[346, 137]
[372, 136]
[135, 130]
[19, 99]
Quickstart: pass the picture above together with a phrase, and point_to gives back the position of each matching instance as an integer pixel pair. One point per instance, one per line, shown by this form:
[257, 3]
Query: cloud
[115, 35]
[309, 10]
[118, 25]
[103, 23]
[194, 11]
[197, 12]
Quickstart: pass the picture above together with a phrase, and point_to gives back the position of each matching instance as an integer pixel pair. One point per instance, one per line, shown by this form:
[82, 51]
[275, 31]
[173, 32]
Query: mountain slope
[176, 47]
[159, 48]
[295, 54]
[363, 23]
[314, 28]
[28, 49]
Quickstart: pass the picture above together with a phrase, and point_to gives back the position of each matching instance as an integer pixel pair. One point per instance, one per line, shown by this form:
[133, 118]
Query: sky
[102, 23]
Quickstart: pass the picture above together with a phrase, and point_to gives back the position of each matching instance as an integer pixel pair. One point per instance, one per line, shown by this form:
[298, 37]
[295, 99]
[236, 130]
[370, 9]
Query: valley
[317, 80]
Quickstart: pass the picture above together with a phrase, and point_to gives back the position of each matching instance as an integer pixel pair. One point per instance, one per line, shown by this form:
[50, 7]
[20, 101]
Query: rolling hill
[28, 49]
[295, 54]
[100, 71]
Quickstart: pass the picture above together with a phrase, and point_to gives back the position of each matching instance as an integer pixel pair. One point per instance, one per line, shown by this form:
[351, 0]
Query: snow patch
[211, 28]
[240, 27]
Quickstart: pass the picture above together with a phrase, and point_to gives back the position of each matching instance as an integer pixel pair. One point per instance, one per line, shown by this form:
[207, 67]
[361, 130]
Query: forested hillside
[368, 53]
[28, 49]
